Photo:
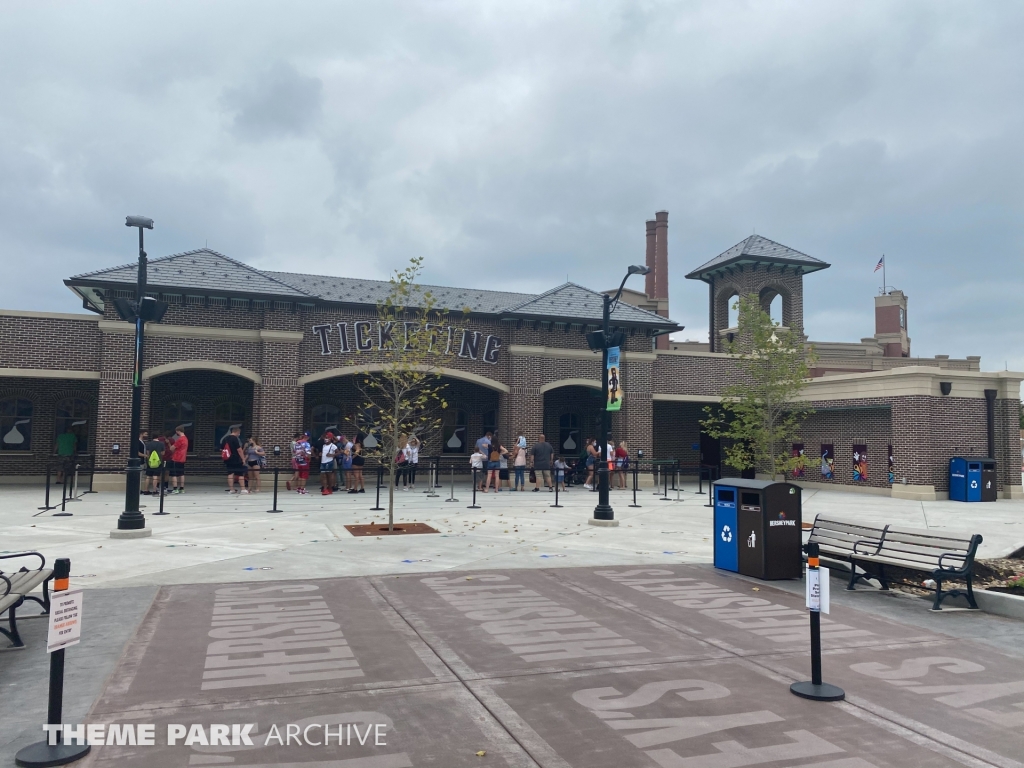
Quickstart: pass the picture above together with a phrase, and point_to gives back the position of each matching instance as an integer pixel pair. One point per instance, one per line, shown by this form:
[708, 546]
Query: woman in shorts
[358, 462]
[255, 459]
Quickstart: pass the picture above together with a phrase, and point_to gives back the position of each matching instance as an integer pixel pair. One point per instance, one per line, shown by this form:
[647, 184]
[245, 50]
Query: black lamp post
[139, 311]
[603, 512]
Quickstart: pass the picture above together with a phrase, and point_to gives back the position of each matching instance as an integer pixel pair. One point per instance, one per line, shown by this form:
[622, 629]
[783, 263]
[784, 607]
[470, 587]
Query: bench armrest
[42, 560]
[962, 558]
[875, 545]
[9, 586]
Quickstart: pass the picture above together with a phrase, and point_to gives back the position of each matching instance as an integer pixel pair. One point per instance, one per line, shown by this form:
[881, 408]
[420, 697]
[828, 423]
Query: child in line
[560, 467]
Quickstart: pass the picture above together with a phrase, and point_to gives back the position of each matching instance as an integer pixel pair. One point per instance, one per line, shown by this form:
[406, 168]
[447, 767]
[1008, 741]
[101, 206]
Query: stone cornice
[46, 373]
[198, 332]
[80, 316]
[525, 350]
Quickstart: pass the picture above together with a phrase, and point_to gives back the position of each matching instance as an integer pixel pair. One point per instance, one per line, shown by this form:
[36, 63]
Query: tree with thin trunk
[760, 416]
[401, 387]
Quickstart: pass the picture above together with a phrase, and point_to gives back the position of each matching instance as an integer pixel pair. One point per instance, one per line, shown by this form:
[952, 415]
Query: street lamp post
[132, 522]
[603, 512]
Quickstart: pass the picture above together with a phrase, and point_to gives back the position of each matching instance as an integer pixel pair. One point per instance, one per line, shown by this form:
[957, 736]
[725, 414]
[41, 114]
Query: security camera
[138, 221]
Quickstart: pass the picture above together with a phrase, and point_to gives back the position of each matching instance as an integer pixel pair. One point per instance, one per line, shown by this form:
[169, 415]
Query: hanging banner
[614, 395]
[828, 461]
[892, 466]
[798, 453]
[860, 463]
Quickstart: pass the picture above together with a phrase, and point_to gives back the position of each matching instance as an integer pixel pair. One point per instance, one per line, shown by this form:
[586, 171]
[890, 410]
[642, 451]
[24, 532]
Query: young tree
[401, 387]
[761, 415]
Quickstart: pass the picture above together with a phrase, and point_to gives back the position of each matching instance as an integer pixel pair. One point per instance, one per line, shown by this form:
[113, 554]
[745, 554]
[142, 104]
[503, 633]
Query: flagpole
[883, 274]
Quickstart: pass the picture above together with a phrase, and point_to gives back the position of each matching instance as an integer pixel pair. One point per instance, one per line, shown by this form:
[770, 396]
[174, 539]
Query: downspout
[990, 416]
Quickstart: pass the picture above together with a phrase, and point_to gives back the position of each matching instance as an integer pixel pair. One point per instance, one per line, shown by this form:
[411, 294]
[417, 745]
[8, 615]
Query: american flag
[880, 264]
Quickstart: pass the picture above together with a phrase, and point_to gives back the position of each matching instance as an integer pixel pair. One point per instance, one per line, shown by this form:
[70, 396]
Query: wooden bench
[15, 587]
[942, 555]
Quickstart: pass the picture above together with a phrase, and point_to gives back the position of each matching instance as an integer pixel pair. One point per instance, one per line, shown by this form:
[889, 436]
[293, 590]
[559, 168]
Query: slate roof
[350, 290]
[757, 250]
[207, 271]
[199, 270]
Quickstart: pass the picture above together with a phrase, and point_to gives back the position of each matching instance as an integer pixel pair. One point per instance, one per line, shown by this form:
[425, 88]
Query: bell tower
[891, 323]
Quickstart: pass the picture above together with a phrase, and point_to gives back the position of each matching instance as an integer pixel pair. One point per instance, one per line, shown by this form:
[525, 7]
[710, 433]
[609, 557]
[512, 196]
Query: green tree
[401, 387]
[761, 415]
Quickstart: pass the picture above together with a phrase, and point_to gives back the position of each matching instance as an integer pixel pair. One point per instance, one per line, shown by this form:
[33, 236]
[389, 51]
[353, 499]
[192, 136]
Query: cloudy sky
[514, 144]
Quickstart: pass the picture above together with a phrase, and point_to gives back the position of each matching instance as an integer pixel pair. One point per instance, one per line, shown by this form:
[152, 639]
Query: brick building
[279, 352]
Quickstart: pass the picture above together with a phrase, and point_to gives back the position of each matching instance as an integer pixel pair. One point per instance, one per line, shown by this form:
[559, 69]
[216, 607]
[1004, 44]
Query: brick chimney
[661, 270]
[649, 285]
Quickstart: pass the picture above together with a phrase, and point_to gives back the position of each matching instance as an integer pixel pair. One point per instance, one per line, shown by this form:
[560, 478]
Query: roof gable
[758, 250]
[202, 269]
[570, 301]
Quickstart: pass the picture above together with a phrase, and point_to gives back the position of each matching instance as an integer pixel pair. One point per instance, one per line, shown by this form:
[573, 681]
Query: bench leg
[882, 579]
[970, 593]
[937, 605]
[12, 634]
[853, 575]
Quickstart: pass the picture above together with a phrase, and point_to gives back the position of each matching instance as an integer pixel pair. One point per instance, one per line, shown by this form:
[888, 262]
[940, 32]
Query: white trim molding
[453, 373]
[198, 332]
[913, 380]
[670, 398]
[201, 365]
[81, 316]
[526, 350]
[46, 373]
[570, 383]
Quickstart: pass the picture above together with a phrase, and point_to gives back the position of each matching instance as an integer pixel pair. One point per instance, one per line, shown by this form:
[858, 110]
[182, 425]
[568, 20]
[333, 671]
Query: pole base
[62, 514]
[273, 511]
[41, 754]
[823, 692]
[603, 523]
[131, 533]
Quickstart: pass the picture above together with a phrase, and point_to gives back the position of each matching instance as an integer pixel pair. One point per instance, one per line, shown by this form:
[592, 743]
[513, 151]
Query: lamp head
[138, 221]
[638, 269]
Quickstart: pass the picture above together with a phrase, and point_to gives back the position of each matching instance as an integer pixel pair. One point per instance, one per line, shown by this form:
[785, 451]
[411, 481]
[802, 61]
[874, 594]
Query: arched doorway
[205, 402]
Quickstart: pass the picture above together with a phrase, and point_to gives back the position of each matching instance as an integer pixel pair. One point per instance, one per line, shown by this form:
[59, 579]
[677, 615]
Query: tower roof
[757, 250]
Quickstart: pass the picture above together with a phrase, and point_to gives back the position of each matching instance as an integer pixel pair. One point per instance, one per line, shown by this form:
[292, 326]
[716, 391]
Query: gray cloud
[512, 145]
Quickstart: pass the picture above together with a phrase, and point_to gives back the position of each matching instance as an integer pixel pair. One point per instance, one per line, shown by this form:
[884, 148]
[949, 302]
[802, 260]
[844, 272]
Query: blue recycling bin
[971, 479]
[727, 544]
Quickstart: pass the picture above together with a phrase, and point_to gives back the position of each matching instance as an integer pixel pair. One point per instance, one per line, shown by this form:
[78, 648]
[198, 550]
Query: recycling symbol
[974, 483]
[726, 533]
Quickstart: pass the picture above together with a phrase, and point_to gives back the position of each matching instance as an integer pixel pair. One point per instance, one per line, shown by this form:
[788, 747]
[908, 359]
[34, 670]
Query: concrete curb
[1000, 603]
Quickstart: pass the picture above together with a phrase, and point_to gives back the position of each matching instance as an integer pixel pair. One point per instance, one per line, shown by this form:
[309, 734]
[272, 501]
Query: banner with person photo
[614, 394]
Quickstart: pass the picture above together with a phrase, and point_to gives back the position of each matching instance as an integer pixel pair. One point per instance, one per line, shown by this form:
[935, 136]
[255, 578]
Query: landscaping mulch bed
[381, 529]
[991, 573]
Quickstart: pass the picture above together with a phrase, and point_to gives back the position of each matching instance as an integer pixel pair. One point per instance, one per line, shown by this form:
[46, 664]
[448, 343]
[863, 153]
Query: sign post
[817, 598]
[65, 630]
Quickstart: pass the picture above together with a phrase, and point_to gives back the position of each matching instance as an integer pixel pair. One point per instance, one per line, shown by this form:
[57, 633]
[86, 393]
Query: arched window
[73, 414]
[225, 416]
[734, 310]
[491, 423]
[569, 439]
[324, 417]
[15, 424]
[181, 412]
[453, 432]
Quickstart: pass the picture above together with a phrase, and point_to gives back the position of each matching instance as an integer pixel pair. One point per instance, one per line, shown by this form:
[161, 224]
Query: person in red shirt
[179, 452]
[621, 463]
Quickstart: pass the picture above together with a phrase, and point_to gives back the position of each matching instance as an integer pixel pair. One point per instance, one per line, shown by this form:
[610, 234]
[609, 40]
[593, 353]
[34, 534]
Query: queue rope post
[44, 753]
[675, 473]
[277, 473]
[63, 500]
[437, 472]
[815, 689]
[664, 495]
[556, 505]
[74, 485]
[452, 497]
[474, 505]
[161, 491]
[636, 478]
[46, 499]
[711, 488]
[657, 479]
[380, 479]
[434, 484]
[700, 480]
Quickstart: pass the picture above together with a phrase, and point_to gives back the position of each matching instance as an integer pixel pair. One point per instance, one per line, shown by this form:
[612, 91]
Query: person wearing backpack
[496, 451]
[234, 459]
[154, 463]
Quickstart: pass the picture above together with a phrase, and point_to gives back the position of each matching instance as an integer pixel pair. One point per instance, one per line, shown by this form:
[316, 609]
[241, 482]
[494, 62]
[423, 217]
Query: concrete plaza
[543, 641]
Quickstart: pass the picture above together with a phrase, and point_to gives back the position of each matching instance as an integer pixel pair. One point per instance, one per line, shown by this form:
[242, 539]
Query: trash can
[726, 541]
[764, 528]
[972, 479]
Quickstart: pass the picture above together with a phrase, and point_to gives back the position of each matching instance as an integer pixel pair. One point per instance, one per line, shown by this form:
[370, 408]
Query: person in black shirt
[234, 459]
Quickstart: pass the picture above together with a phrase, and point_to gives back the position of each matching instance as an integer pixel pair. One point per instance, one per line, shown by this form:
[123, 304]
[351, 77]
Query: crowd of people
[341, 461]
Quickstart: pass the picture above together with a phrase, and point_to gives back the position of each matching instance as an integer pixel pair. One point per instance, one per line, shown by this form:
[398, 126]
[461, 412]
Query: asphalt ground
[677, 666]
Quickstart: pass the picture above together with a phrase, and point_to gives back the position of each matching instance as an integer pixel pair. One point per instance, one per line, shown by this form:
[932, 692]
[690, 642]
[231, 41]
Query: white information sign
[65, 620]
[817, 591]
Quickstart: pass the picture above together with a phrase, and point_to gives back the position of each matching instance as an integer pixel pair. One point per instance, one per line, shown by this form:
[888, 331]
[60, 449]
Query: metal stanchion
[380, 479]
[277, 472]
[700, 480]
[474, 505]
[431, 492]
[657, 478]
[636, 478]
[556, 504]
[73, 496]
[437, 472]
[453, 486]
[711, 489]
[46, 501]
[163, 467]
[63, 500]
[815, 689]
[675, 472]
[664, 496]
[54, 751]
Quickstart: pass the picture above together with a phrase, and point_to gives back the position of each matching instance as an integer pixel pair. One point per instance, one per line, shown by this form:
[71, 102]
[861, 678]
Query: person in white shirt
[412, 458]
[327, 453]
